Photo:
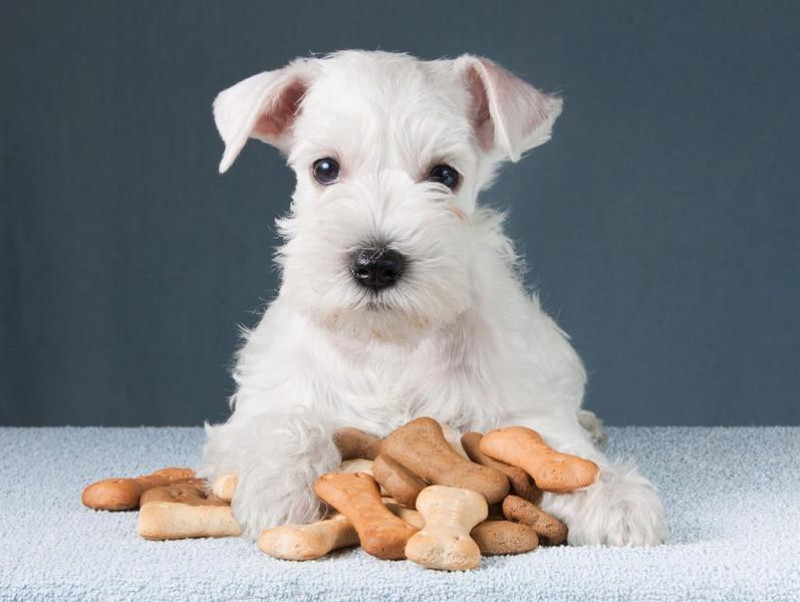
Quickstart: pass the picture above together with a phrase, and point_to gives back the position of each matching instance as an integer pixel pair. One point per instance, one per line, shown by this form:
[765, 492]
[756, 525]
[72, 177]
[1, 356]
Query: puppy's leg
[620, 508]
[593, 425]
[277, 457]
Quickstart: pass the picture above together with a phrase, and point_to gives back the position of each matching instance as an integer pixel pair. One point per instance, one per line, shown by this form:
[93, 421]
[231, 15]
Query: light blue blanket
[732, 497]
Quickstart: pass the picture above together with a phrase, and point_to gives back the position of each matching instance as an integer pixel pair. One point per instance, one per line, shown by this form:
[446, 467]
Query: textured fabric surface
[731, 496]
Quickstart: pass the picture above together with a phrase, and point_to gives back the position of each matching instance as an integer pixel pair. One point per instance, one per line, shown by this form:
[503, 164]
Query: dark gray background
[660, 224]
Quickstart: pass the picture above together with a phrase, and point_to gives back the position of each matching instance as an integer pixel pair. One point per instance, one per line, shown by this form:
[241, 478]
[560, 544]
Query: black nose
[377, 268]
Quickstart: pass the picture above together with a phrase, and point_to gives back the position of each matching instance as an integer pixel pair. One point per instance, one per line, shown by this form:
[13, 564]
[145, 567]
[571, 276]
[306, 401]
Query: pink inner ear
[279, 116]
[508, 114]
[481, 116]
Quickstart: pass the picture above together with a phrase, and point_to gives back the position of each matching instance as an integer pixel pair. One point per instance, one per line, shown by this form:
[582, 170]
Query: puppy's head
[390, 153]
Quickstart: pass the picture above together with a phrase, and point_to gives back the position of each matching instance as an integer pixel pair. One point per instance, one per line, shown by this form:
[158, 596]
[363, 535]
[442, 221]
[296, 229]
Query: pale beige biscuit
[420, 446]
[308, 542]
[445, 543]
[224, 486]
[184, 511]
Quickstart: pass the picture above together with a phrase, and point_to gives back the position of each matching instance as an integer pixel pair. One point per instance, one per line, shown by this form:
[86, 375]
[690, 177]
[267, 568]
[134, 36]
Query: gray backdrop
[660, 224]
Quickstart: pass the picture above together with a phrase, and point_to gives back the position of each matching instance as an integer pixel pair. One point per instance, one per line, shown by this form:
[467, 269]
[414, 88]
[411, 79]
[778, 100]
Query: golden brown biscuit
[521, 483]
[551, 470]
[357, 496]
[124, 493]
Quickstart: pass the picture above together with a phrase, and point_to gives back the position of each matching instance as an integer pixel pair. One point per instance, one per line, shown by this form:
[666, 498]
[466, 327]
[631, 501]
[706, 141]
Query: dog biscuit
[421, 447]
[353, 443]
[521, 483]
[399, 482]
[224, 486]
[551, 470]
[551, 530]
[184, 511]
[357, 496]
[495, 537]
[445, 543]
[124, 493]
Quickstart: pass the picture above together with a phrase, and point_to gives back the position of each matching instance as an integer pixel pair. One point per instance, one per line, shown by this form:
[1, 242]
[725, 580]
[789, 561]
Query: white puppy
[400, 296]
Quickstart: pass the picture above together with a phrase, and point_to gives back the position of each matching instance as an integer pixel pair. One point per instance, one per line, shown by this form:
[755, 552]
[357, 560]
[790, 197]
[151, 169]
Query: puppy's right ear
[263, 106]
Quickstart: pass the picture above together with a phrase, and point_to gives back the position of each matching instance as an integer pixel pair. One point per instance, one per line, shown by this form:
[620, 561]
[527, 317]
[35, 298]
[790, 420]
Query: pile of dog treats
[411, 495]
[172, 504]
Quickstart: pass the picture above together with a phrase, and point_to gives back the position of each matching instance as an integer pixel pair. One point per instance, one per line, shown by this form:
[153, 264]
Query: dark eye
[444, 174]
[326, 171]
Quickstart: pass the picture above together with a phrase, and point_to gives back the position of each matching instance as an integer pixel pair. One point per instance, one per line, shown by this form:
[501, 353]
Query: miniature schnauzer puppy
[401, 296]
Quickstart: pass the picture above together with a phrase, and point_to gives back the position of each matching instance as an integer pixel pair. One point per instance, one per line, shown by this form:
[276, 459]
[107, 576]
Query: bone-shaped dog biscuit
[551, 470]
[183, 511]
[186, 492]
[421, 447]
[224, 486]
[521, 483]
[399, 482]
[358, 497]
[496, 537]
[550, 529]
[445, 543]
[353, 443]
[124, 494]
[308, 542]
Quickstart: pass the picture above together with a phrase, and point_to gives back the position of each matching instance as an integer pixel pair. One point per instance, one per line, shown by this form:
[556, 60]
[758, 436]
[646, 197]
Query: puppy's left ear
[263, 106]
[509, 116]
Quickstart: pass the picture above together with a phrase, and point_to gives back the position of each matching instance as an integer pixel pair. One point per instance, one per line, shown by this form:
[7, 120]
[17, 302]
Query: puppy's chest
[387, 392]
[387, 382]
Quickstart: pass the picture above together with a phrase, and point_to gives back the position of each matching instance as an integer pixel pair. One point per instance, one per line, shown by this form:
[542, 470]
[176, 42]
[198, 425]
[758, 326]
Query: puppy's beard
[376, 323]
[402, 313]
[385, 316]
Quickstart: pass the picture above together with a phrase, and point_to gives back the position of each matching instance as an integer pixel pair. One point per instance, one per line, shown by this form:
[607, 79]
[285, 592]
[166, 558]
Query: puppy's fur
[457, 338]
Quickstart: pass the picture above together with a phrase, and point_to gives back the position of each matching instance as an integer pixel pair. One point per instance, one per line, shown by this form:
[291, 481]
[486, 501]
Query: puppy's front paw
[264, 500]
[620, 509]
